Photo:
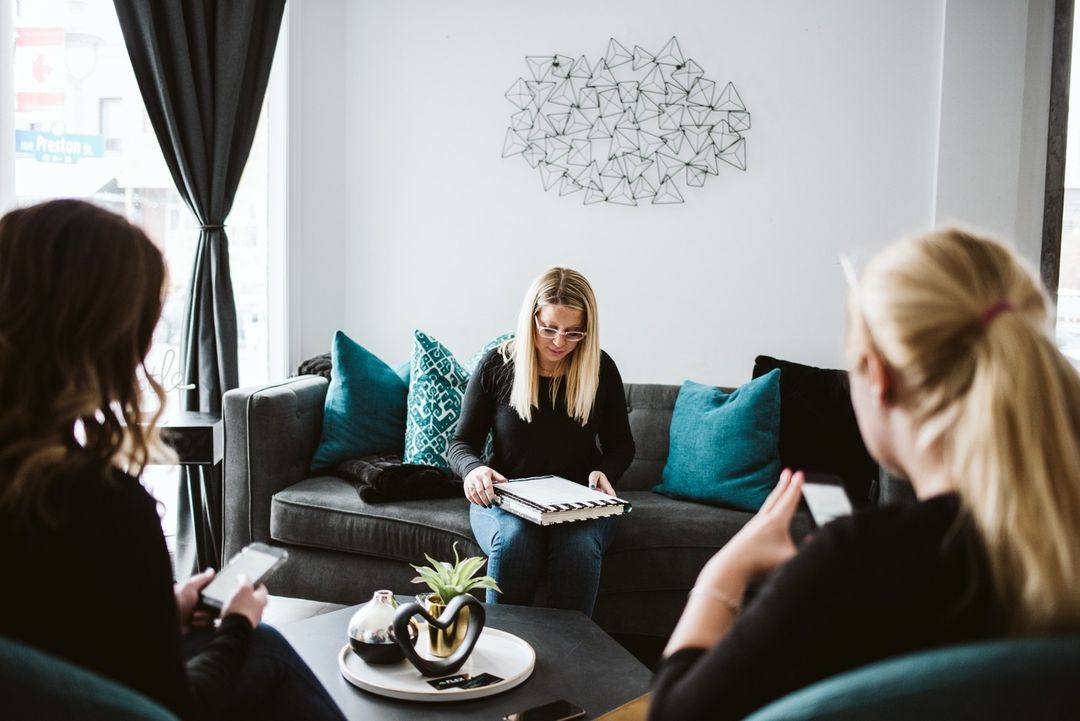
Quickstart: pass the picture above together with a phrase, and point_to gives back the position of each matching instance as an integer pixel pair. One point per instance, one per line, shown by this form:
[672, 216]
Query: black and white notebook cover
[546, 500]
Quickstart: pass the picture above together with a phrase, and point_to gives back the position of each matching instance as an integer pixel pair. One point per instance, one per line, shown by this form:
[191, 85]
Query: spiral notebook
[546, 500]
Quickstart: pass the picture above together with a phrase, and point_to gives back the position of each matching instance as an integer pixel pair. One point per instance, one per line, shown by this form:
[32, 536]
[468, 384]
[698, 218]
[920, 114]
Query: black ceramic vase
[461, 610]
[372, 634]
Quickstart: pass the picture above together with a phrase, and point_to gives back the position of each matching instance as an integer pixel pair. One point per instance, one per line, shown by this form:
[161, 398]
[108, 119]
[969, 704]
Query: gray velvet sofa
[341, 549]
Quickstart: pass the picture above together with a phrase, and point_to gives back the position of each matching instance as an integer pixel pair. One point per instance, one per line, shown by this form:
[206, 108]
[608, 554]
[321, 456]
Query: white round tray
[497, 652]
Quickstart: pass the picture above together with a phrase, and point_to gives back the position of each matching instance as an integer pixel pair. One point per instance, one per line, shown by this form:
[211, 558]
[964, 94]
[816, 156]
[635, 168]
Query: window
[81, 131]
[109, 127]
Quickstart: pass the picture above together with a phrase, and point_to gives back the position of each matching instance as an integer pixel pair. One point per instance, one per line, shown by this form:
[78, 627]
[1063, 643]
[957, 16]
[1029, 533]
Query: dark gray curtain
[202, 68]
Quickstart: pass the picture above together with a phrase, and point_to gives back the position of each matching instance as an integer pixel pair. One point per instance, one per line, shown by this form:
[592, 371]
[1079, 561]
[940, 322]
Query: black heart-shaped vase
[449, 618]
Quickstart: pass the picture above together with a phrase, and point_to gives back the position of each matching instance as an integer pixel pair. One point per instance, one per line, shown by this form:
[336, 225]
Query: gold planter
[444, 642]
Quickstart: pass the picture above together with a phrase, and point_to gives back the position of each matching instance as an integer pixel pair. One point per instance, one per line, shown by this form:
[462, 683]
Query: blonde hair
[81, 291]
[965, 328]
[570, 289]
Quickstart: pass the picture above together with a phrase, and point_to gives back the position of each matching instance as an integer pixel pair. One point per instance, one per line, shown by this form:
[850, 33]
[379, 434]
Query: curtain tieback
[212, 227]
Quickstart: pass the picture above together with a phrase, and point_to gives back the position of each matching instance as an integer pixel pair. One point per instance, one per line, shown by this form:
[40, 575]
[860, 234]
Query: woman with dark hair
[87, 574]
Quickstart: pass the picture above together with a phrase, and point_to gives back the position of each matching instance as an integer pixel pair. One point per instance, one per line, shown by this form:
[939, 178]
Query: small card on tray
[464, 681]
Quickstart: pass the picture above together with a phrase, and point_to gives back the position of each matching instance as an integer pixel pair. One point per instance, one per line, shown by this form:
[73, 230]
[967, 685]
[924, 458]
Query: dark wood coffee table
[575, 660]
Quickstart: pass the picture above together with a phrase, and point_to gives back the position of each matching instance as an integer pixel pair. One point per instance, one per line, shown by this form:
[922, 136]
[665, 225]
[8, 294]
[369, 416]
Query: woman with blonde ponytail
[958, 386]
[554, 404]
[990, 395]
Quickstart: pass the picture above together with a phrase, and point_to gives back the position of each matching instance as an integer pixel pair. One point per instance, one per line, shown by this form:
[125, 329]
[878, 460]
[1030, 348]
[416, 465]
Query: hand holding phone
[256, 562]
[192, 614]
[826, 498]
[247, 600]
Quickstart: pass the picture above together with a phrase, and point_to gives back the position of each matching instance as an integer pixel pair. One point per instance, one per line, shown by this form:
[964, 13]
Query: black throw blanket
[320, 365]
[384, 479]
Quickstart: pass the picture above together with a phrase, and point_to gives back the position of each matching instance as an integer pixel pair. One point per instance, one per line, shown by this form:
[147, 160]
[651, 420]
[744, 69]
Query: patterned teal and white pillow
[470, 365]
[437, 384]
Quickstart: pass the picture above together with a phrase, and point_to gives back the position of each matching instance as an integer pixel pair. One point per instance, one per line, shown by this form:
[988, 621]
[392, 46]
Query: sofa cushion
[661, 545]
[437, 383]
[724, 446]
[364, 411]
[649, 408]
[323, 365]
[325, 512]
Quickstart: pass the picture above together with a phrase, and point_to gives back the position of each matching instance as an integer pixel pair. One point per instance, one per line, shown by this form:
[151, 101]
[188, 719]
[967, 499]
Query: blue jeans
[518, 550]
[274, 682]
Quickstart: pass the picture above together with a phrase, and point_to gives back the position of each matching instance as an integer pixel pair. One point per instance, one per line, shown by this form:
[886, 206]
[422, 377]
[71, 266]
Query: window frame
[7, 108]
[1056, 138]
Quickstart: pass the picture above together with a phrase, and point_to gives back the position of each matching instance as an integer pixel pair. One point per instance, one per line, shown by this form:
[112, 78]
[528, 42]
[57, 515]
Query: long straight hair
[580, 370]
[966, 328]
[81, 291]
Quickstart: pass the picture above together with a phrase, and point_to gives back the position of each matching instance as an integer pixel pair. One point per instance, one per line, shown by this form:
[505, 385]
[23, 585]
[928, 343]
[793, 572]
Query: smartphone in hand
[256, 561]
[825, 497]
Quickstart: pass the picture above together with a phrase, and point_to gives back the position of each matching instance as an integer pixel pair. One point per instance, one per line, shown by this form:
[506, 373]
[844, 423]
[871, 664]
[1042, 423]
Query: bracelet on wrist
[717, 595]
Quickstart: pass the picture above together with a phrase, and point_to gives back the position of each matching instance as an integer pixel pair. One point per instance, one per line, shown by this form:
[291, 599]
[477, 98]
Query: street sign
[50, 148]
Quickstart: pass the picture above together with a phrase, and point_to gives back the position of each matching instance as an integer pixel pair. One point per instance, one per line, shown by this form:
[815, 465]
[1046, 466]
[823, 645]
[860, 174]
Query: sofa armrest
[271, 433]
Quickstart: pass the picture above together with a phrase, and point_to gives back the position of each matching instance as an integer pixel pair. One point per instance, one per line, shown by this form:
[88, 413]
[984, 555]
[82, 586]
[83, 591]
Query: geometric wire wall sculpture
[630, 127]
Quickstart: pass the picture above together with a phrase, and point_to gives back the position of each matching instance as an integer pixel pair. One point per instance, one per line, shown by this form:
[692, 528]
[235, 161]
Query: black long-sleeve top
[97, 590]
[881, 583]
[553, 443]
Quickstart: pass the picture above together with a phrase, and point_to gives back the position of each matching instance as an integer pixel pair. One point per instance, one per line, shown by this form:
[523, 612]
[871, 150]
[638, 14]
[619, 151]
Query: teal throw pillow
[724, 447]
[364, 412]
[437, 383]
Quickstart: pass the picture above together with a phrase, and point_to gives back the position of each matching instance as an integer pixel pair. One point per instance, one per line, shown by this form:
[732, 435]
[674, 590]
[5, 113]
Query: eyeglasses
[548, 333]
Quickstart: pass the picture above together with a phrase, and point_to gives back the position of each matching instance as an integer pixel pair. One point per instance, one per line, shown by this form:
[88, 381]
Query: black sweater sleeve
[873, 585]
[99, 593]
[151, 656]
[616, 439]
[146, 654]
[752, 664]
[212, 672]
[477, 417]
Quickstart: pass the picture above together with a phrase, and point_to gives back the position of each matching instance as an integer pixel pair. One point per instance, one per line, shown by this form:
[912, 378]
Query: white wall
[317, 178]
[435, 231]
[995, 100]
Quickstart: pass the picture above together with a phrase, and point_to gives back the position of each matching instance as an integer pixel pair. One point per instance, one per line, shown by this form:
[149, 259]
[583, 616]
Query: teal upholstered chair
[1030, 679]
[35, 685]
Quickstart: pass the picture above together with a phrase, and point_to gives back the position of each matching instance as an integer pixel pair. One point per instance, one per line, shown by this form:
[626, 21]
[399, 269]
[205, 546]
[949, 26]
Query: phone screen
[250, 562]
[826, 502]
[560, 710]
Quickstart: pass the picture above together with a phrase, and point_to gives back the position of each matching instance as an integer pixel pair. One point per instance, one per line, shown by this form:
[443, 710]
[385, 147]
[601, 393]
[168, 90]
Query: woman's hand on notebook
[599, 481]
[479, 485]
